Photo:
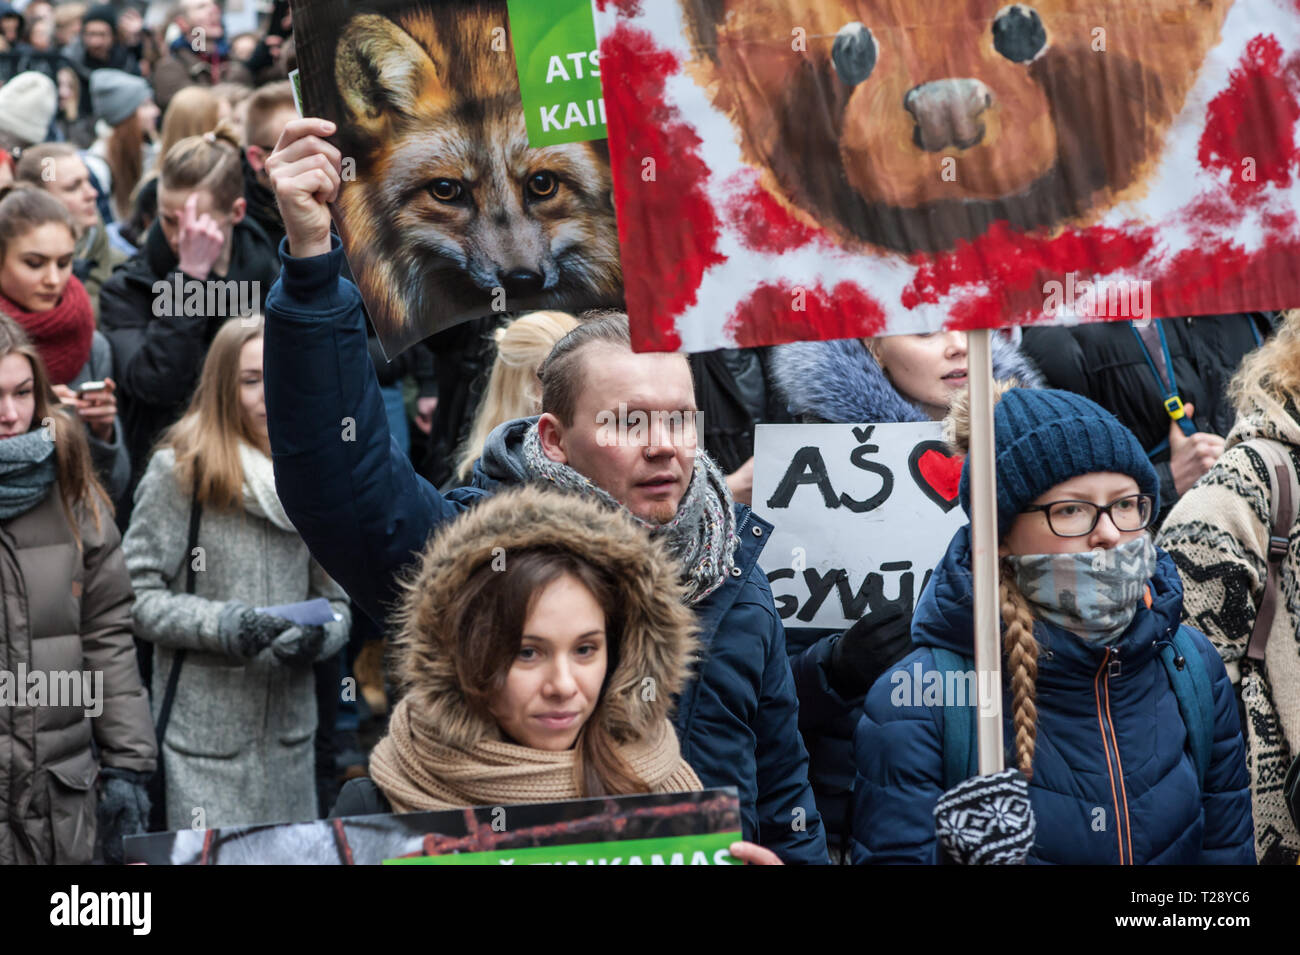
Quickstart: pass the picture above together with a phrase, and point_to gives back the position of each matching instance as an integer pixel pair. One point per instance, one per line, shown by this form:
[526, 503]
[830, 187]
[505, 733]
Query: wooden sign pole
[984, 553]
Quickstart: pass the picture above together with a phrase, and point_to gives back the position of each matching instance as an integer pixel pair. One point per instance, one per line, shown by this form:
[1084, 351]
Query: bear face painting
[1034, 113]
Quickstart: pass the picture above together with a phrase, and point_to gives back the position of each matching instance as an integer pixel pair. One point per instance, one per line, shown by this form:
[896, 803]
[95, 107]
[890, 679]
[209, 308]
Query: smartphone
[89, 386]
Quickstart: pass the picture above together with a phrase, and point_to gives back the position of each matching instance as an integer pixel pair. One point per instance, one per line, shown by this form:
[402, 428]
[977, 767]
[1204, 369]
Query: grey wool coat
[239, 744]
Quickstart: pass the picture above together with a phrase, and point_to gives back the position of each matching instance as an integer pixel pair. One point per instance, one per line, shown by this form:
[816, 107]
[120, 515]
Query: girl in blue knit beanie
[1106, 768]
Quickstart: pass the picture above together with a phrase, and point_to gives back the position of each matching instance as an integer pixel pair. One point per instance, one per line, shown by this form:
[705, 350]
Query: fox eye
[542, 185]
[1018, 33]
[445, 190]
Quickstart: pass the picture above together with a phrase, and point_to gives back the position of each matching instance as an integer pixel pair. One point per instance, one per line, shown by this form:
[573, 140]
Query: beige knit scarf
[417, 772]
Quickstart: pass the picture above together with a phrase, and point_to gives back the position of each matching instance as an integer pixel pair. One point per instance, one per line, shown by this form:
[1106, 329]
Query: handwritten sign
[863, 513]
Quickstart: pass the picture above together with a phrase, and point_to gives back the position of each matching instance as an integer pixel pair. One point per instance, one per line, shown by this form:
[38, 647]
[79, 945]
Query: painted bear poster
[446, 211]
[813, 169]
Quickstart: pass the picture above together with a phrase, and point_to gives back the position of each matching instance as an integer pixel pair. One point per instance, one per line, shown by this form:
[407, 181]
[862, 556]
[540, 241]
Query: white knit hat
[27, 106]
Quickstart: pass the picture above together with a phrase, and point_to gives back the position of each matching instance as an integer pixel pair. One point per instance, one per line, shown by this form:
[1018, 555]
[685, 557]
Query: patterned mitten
[987, 820]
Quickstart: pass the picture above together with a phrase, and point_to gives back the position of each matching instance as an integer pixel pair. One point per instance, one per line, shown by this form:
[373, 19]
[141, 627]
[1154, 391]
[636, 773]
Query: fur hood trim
[658, 639]
[839, 382]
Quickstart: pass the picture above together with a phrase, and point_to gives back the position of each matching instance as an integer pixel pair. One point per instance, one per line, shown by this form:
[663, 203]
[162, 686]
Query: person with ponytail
[38, 238]
[202, 262]
[68, 613]
[514, 389]
[1102, 764]
[525, 638]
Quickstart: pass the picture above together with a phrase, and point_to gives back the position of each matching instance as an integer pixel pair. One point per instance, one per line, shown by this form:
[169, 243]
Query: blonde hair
[1269, 376]
[513, 388]
[1019, 646]
[192, 111]
[207, 438]
[263, 106]
[210, 162]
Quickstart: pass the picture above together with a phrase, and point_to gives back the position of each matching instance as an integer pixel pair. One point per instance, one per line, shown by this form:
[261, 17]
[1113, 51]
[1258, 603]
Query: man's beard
[661, 512]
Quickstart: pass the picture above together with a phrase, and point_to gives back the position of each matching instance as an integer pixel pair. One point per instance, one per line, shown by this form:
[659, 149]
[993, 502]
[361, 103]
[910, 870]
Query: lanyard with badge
[1150, 334]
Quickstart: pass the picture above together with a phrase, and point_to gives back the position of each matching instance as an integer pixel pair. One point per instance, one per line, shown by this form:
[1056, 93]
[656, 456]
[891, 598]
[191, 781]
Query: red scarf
[61, 334]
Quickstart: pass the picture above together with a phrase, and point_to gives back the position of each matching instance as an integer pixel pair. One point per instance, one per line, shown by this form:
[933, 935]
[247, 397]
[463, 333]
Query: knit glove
[123, 809]
[987, 820]
[869, 648]
[299, 646]
[243, 632]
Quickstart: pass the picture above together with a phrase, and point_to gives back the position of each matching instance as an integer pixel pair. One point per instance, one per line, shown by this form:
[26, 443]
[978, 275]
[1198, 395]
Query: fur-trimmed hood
[658, 638]
[840, 382]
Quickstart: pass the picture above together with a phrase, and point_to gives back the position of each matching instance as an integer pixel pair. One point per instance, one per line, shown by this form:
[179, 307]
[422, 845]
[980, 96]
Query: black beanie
[102, 12]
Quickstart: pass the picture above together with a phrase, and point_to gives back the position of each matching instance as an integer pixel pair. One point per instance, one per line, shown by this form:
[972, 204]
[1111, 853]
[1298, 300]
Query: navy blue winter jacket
[1113, 779]
[365, 514]
[838, 382]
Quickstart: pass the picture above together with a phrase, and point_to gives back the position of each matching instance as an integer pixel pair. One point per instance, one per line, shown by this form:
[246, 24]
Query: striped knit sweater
[1218, 535]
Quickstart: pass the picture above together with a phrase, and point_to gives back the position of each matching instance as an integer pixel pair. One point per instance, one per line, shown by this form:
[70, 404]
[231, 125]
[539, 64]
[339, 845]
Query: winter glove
[244, 632]
[987, 820]
[869, 648]
[299, 646]
[123, 809]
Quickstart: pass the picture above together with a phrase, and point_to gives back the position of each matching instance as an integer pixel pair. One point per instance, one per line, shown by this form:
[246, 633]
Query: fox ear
[383, 73]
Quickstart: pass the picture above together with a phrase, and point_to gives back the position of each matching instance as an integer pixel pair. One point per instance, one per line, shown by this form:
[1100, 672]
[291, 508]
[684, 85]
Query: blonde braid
[1021, 651]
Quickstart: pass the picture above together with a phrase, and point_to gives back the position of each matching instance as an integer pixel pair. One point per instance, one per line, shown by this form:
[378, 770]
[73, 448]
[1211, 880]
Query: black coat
[733, 393]
[1105, 361]
[157, 356]
[262, 207]
[360, 797]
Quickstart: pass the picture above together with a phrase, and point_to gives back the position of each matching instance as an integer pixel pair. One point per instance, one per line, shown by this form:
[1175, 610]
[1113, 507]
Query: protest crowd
[200, 431]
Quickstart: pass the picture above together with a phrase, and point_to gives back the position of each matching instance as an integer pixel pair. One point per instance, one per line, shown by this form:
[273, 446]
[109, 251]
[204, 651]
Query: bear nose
[520, 281]
[947, 113]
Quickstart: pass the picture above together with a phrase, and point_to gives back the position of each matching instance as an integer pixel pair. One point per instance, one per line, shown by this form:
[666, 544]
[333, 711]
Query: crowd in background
[195, 478]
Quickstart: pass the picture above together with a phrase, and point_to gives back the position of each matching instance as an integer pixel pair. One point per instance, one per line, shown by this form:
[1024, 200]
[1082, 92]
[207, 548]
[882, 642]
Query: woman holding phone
[208, 543]
[540, 644]
[38, 241]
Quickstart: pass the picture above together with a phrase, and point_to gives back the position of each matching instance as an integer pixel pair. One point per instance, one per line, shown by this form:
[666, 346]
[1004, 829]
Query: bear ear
[383, 74]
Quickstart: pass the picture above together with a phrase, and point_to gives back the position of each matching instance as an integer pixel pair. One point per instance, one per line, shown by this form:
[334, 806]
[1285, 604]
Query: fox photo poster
[816, 169]
[447, 212]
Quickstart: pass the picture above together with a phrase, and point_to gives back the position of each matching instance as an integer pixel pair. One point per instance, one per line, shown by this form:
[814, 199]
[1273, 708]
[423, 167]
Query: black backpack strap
[173, 677]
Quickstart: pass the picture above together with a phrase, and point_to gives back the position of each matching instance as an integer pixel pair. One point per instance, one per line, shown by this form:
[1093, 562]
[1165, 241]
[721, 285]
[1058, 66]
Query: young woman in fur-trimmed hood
[540, 644]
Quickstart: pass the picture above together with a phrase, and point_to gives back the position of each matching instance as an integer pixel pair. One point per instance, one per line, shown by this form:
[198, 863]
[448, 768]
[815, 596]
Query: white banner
[863, 513]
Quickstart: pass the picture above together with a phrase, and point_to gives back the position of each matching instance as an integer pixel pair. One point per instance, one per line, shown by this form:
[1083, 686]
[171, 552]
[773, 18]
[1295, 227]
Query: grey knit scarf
[701, 535]
[27, 469]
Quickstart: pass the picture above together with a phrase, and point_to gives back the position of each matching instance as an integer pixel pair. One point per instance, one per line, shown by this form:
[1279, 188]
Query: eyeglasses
[1079, 518]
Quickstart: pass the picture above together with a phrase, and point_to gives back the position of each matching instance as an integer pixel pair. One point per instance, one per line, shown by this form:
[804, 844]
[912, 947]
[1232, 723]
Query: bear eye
[1018, 33]
[542, 185]
[446, 190]
[853, 53]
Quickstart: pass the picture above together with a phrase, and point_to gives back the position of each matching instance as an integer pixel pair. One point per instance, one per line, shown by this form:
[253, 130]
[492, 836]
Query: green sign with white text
[559, 70]
[708, 849]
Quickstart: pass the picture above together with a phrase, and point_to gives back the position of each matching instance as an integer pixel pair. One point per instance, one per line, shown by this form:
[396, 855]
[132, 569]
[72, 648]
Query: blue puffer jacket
[365, 514]
[1113, 781]
[838, 382]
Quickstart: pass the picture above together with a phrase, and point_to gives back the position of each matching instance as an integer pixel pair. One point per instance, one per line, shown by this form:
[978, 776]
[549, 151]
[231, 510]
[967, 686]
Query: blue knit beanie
[1043, 437]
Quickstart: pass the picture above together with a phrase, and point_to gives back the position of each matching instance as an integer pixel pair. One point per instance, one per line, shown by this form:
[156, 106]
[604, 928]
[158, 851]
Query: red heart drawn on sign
[936, 473]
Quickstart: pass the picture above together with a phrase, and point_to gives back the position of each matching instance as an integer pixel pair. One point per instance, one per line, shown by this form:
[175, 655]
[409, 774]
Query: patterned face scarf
[701, 535]
[1094, 594]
